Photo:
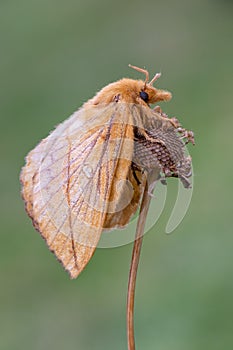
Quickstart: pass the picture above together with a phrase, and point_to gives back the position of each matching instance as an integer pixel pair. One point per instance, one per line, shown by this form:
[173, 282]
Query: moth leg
[186, 134]
[175, 122]
[143, 134]
[189, 135]
[157, 109]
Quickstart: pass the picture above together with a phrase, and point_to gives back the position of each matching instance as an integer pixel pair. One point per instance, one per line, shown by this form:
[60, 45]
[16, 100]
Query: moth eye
[144, 96]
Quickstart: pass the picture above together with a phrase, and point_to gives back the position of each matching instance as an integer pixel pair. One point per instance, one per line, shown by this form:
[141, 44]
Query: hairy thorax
[129, 91]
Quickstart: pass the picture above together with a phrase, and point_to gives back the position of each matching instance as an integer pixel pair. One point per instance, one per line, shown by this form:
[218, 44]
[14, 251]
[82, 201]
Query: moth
[89, 174]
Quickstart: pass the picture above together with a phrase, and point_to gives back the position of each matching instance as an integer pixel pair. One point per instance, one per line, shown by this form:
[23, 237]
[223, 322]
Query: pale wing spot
[87, 171]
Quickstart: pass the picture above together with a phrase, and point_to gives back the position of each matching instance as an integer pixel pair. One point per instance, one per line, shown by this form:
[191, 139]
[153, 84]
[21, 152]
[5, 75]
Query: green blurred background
[54, 56]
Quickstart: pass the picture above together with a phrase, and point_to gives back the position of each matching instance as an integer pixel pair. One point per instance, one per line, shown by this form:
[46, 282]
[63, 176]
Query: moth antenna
[141, 70]
[156, 77]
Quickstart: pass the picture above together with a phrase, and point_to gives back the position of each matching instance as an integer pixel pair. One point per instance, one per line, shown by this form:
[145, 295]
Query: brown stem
[136, 255]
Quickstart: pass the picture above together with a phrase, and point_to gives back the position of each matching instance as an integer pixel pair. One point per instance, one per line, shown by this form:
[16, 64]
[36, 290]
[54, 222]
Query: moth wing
[128, 199]
[75, 177]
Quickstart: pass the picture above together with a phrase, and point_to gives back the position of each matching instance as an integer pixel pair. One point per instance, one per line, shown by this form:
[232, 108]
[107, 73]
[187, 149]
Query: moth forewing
[75, 178]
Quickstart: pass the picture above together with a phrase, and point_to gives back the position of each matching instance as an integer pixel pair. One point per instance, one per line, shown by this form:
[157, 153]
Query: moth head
[131, 91]
[148, 93]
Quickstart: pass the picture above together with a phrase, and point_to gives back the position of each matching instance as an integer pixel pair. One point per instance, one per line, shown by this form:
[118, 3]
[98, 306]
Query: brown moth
[89, 174]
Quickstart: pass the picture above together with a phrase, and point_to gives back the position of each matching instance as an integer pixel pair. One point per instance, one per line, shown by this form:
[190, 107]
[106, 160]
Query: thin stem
[136, 255]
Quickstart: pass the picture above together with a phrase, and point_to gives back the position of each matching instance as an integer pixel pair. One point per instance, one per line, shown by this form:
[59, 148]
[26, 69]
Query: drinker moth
[90, 173]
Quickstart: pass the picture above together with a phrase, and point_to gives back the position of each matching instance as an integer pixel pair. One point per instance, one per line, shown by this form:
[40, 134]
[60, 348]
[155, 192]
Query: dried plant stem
[135, 257]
